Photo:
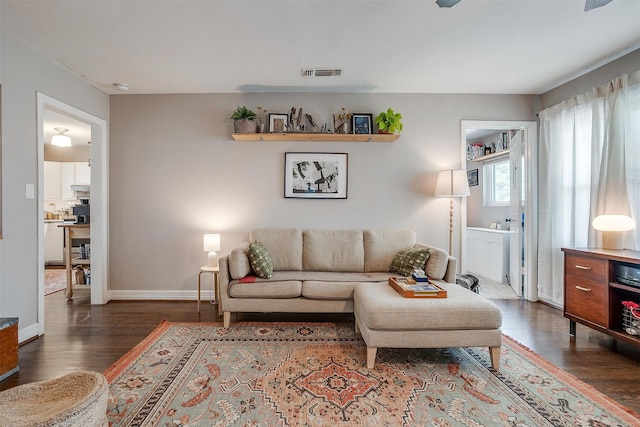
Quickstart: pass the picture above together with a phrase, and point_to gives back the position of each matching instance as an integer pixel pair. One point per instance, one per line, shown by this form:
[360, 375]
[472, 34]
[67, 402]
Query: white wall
[176, 173]
[23, 74]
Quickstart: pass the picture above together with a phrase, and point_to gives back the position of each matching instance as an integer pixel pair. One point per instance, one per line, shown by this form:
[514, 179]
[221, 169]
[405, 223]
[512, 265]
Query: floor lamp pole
[450, 223]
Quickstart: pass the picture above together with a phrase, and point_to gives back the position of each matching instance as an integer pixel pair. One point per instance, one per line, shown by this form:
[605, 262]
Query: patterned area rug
[314, 374]
[55, 280]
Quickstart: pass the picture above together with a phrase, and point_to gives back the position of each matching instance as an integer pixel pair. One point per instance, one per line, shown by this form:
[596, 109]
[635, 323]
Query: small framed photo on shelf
[278, 122]
[472, 177]
[361, 123]
[315, 175]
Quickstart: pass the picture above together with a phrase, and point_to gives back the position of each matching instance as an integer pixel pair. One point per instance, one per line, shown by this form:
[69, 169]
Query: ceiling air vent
[322, 72]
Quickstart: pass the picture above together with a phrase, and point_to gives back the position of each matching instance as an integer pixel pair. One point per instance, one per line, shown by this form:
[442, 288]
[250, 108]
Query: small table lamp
[211, 244]
[452, 183]
[613, 229]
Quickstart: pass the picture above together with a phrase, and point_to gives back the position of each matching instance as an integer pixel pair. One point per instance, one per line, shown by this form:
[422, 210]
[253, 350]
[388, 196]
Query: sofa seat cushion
[341, 287]
[380, 307]
[265, 288]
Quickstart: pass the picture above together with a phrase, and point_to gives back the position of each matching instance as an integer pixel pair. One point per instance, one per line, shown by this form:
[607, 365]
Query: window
[497, 183]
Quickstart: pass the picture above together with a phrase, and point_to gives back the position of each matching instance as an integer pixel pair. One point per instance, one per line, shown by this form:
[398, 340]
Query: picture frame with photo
[472, 177]
[278, 122]
[315, 175]
[361, 123]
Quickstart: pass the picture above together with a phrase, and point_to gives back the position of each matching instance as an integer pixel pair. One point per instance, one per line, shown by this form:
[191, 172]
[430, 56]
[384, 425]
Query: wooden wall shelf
[314, 137]
[499, 154]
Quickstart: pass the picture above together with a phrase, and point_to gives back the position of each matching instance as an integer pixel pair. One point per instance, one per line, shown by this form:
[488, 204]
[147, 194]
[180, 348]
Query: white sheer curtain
[589, 164]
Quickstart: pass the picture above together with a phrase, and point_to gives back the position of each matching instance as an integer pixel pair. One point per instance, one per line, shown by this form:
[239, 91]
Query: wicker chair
[76, 399]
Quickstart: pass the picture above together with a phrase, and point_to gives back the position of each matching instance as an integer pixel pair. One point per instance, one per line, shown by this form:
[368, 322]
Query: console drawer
[586, 267]
[587, 299]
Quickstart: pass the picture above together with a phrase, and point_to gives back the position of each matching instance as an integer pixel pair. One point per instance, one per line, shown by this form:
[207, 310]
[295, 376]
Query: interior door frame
[530, 129]
[99, 200]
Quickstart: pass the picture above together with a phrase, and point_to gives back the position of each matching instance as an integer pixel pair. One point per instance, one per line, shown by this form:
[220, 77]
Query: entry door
[517, 247]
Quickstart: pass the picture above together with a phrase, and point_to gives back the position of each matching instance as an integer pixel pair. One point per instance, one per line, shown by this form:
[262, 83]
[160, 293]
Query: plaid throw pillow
[260, 260]
[406, 260]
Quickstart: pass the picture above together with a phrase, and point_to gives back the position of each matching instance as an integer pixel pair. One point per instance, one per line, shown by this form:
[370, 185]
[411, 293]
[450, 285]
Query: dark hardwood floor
[81, 336]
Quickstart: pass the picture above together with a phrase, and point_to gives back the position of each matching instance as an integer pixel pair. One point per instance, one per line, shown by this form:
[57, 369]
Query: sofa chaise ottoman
[463, 319]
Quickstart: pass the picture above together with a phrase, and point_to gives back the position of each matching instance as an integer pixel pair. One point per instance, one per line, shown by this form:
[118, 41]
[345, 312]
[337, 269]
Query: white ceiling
[403, 46]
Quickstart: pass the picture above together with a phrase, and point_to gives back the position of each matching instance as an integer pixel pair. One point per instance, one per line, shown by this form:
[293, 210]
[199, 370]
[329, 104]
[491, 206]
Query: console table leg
[572, 328]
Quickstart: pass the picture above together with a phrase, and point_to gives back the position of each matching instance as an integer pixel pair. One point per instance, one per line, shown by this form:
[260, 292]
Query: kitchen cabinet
[60, 176]
[52, 178]
[82, 172]
[488, 253]
[53, 242]
[67, 179]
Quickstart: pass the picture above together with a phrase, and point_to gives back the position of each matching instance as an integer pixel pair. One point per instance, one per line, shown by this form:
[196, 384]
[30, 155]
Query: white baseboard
[116, 295]
[27, 333]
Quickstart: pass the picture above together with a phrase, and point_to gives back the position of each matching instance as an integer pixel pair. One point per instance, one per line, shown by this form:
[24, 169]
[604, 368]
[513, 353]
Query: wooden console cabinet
[8, 346]
[592, 295]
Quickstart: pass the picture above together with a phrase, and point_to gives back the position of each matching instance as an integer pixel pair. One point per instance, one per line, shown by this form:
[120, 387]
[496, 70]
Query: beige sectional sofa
[317, 270]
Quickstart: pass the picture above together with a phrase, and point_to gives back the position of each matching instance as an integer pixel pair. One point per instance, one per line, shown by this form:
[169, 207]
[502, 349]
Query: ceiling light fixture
[594, 4]
[61, 140]
[123, 87]
[588, 5]
[447, 3]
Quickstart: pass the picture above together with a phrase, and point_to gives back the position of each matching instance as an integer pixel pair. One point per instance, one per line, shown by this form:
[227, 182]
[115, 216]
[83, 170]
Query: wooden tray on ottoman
[408, 288]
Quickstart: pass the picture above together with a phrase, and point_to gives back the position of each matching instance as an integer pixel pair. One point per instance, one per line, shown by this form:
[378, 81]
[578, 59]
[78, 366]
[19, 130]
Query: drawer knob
[582, 267]
[582, 288]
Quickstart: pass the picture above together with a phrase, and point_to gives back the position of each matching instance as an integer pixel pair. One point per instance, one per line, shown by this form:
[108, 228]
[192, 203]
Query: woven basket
[630, 321]
[244, 126]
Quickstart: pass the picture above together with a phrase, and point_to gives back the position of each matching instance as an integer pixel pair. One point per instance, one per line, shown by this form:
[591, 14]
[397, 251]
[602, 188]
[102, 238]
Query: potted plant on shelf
[244, 120]
[389, 121]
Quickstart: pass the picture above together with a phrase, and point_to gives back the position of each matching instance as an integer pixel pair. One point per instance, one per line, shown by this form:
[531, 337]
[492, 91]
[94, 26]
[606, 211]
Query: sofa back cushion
[437, 263]
[380, 246]
[284, 246]
[333, 250]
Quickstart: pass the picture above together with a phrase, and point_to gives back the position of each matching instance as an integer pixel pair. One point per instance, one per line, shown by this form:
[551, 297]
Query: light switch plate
[30, 191]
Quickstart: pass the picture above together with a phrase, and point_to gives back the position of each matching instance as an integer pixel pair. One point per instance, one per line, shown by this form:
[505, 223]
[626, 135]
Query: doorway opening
[500, 216]
[94, 130]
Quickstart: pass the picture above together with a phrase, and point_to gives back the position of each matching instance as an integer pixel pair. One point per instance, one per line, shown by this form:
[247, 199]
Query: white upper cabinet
[83, 173]
[60, 176]
[52, 177]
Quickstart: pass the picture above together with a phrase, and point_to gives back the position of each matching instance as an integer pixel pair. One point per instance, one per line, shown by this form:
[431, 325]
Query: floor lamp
[452, 183]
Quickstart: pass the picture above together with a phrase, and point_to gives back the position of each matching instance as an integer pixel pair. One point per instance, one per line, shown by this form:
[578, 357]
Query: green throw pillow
[260, 260]
[406, 260]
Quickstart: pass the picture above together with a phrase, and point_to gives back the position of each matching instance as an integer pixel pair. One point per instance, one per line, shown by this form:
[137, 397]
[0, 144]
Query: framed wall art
[278, 122]
[315, 175]
[361, 123]
[472, 177]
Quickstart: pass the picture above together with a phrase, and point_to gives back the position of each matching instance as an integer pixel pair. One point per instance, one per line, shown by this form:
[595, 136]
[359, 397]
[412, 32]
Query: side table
[216, 291]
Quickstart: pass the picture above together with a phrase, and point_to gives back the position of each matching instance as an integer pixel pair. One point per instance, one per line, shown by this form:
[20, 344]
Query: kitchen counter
[489, 230]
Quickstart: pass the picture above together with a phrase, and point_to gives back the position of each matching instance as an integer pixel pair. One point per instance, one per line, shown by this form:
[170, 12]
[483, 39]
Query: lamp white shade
[452, 183]
[211, 244]
[613, 228]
